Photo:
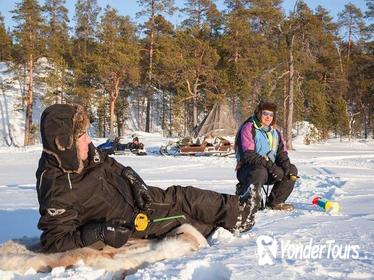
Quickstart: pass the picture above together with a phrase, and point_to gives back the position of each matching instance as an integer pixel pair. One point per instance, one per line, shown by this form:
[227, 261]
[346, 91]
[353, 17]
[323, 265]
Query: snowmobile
[117, 148]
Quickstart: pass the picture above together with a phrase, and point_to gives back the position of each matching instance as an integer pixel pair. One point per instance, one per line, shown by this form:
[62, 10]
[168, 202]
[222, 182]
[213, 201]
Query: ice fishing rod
[142, 221]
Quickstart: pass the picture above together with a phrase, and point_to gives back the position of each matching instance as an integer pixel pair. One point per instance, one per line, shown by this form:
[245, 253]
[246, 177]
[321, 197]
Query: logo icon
[266, 249]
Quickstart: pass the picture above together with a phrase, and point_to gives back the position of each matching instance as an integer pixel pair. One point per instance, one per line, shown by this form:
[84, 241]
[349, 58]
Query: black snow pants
[260, 176]
[204, 209]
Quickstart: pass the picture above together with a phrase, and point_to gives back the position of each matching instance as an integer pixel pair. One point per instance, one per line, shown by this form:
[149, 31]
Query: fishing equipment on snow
[142, 221]
[327, 205]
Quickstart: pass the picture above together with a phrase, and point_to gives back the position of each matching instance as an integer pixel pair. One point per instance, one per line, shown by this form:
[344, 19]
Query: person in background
[135, 144]
[262, 158]
[87, 198]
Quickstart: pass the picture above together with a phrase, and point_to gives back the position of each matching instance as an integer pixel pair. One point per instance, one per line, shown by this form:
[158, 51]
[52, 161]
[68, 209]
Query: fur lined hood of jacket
[60, 126]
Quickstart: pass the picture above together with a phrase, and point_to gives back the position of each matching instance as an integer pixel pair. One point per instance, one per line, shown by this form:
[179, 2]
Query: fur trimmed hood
[268, 106]
[60, 127]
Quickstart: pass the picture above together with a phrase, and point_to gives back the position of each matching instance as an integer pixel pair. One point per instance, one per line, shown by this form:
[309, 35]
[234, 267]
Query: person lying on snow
[135, 144]
[263, 159]
[89, 199]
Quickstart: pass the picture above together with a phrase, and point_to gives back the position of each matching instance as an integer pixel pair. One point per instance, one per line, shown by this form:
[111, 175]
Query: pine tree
[86, 13]
[119, 56]
[321, 60]
[152, 8]
[85, 50]
[369, 14]
[339, 116]
[5, 42]
[28, 35]
[317, 107]
[203, 17]
[351, 21]
[165, 71]
[235, 52]
[295, 30]
[196, 68]
[250, 50]
[265, 17]
[58, 50]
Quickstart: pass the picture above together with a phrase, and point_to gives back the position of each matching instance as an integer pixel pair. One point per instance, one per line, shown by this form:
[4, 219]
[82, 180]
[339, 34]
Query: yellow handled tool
[142, 221]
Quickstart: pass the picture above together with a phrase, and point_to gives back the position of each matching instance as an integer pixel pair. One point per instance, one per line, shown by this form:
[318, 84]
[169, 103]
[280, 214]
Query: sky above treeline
[131, 7]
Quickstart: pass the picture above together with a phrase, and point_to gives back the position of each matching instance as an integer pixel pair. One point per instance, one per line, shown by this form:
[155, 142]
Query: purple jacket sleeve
[247, 140]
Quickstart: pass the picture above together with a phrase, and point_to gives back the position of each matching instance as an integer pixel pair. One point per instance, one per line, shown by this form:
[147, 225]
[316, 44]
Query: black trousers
[260, 176]
[204, 209]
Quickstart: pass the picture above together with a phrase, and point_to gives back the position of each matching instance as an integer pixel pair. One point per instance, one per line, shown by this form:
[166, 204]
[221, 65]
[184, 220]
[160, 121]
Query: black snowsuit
[100, 192]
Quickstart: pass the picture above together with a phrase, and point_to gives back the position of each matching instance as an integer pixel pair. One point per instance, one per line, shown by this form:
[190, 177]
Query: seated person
[263, 159]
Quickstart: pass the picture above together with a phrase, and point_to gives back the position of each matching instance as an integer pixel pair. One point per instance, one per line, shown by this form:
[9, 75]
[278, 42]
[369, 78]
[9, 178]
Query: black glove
[289, 170]
[114, 233]
[275, 171]
[293, 170]
[140, 189]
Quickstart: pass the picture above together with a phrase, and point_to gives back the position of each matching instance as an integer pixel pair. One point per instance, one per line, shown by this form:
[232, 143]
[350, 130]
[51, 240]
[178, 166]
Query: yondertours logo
[268, 249]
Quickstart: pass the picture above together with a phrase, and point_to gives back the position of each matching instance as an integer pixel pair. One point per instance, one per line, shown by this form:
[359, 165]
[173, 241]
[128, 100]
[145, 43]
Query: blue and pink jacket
[253, 142]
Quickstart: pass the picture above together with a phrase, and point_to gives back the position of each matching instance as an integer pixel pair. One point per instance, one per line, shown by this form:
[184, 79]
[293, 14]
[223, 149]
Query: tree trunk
[195, 115]
[366, 124]
[120, 124]
[351, 123]
[111, 122]
[148, 114]
[195, 98]
[291, 80]
[170, 116]
[113, 98]
[349, 39]
[28, 140]
[150, 69]
[138, 113]
[285, 94]
[163, 110]
[185, 118]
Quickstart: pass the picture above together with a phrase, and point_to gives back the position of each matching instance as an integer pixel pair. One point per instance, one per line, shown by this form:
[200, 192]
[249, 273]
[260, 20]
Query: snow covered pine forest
[303, 64]
[339, 171]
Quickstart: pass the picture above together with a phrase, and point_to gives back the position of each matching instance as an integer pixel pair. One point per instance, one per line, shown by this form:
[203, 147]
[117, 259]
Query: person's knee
[289, 184]
[259, 176]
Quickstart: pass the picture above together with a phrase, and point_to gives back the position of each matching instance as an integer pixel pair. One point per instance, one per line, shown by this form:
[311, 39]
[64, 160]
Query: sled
[218, 147]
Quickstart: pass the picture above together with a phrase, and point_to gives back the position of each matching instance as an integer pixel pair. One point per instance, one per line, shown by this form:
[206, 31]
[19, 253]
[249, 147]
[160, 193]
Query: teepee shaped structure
[219, 122]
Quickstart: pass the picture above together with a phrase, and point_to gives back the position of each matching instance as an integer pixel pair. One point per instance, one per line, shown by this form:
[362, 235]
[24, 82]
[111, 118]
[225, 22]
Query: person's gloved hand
[140, 189]
[290, 170]
[275, 171]
[114, 233]
[293, 170]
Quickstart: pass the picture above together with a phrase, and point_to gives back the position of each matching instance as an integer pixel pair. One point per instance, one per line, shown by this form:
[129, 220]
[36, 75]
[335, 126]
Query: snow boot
[240, 189]
[282, 207]
[248, 205]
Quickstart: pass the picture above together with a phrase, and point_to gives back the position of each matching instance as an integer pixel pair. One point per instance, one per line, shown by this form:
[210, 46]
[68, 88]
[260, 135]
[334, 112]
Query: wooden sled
[219, 147]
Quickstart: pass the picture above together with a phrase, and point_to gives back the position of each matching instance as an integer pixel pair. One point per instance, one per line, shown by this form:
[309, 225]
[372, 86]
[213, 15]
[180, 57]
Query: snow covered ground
[308, 243]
